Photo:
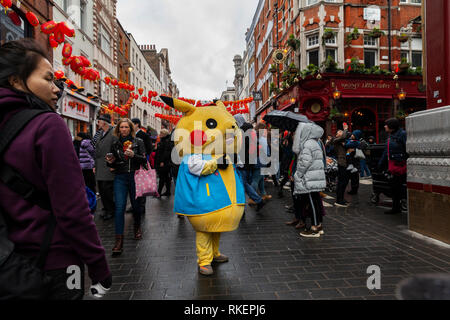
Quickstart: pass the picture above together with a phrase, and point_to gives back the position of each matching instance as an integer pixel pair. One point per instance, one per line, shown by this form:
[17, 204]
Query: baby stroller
[331, 172]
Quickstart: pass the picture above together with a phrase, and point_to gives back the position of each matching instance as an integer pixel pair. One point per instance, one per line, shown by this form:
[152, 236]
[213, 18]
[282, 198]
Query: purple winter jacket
[43, 153]
[86, 155]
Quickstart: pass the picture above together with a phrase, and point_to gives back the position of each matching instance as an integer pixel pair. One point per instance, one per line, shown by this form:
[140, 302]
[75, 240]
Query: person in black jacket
[163, 162]
[127, 155]
[395, 157]
[148, 150]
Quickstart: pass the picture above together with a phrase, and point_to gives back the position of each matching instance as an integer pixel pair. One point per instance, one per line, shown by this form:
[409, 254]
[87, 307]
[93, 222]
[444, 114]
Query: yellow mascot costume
[209, 191]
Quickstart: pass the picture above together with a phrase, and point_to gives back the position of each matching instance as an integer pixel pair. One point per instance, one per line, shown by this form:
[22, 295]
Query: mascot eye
[211, 123]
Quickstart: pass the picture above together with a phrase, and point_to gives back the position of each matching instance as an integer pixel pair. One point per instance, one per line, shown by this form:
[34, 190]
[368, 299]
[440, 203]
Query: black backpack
[22, 277]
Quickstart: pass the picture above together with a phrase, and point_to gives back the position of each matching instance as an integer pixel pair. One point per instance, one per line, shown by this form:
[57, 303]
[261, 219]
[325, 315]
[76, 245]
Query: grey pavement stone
[269, 260]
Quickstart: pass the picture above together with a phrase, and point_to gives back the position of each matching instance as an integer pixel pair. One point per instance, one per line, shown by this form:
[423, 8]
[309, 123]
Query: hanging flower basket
[376, 33]
[328, 34]
[403, 38]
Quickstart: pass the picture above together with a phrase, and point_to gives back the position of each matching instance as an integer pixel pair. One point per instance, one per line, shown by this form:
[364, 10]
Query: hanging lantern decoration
[64, 28]
[14, 18]
[107, 80]
[86, 62]
[77, 64]
[67, 61]
[141, 91]
[6, 4]
[59, 74]
[144, 99]
[52, 41]
[59, 37]
[48, 27]
[32, 19]
[114, 82]
[67, 50]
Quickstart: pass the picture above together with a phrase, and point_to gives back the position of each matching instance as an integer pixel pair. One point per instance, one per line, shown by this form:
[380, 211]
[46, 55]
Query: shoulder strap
[15, 181]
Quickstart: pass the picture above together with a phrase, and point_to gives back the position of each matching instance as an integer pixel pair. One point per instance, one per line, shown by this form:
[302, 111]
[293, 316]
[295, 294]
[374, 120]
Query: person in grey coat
[103, 174]
[309, 177]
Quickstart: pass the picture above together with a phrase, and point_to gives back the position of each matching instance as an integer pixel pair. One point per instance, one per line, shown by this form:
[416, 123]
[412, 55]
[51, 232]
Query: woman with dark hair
[127, 155]
[43, 154]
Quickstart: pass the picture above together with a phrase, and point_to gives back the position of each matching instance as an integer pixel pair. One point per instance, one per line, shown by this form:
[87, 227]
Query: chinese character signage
[74, 108]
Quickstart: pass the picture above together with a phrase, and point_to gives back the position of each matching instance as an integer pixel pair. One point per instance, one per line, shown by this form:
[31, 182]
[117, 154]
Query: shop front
[78, 112]
[364, 102]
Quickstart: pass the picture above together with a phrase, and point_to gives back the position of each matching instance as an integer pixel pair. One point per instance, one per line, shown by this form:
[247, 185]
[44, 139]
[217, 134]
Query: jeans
[249, 190]
[124, 185]
[258, 181]
[309, 205]
[364, 168]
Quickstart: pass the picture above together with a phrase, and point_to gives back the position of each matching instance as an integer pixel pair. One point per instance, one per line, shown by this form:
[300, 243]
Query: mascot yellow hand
[209, 191]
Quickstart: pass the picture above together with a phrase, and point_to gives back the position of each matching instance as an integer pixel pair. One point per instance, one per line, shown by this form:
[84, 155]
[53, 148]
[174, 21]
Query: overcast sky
[202, 36]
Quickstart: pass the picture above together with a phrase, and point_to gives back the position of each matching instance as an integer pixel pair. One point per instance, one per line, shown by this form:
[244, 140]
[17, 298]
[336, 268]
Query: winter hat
[393, 124]
[358, 134]
[105, 117]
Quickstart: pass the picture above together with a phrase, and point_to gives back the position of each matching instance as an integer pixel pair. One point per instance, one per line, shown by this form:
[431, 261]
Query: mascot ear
[180, 105]
[220, 105]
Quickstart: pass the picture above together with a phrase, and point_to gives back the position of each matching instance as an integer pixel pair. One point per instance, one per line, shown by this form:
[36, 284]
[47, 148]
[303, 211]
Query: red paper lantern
[67, 50]
[64, 28]
[59, 37]
[107, 80]
[59, 74]
[114, 82]
[77, 64]
[32, 19]
[48, 27]
[67, 61]
[85, 61]
[141, 91]
[6, 3]
[52, 41]
[14, 18]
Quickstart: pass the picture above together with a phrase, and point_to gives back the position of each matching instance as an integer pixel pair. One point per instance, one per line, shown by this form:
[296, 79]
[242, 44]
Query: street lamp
[402, 95]
[336, 94]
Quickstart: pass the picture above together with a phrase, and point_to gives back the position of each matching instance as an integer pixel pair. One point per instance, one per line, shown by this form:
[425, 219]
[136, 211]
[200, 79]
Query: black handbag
[22, 277]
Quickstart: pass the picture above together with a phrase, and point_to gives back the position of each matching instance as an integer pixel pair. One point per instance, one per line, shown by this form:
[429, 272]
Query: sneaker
[205, 270]
[267, 197]
[320, 229]
[292, 223]
[221, 259]
[310, 233]
[251, 202]
[341, 204]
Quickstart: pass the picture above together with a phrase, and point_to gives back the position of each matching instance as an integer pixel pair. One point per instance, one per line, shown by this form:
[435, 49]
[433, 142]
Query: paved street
[269, 260]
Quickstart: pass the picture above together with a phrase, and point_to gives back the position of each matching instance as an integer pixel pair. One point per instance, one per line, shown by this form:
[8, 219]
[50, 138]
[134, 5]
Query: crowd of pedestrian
[107, 163]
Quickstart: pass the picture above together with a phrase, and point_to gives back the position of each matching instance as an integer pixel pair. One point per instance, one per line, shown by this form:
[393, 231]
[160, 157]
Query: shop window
[416, 59]
[330, 53]
[10, 32]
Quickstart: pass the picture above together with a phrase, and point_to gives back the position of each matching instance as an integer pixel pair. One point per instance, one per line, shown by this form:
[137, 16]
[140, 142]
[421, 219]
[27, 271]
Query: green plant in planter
[404, 65]
[284, 85]
[285, 75]
[327, 34]
[273, 88]
[376, 33]
[310, 70]
[330, 65]
[356, 67]
[273, 68]
[401, 114]
[293, 68]
[403, 37]
[354, 35]
[335, 114]
[293, 42]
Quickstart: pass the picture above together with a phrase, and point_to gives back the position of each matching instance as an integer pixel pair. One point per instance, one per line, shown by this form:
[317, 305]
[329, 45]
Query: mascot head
[208, 130]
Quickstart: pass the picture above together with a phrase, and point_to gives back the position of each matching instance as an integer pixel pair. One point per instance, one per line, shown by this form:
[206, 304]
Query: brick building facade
[43, 11]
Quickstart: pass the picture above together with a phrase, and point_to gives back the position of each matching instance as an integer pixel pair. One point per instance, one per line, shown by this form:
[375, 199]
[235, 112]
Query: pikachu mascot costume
[209, 191]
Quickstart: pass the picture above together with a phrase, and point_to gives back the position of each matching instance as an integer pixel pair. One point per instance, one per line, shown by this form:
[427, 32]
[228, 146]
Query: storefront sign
[74, 108]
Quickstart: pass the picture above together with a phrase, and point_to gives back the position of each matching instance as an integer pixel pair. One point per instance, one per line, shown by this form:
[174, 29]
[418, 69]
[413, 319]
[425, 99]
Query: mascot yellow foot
[208, 191]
